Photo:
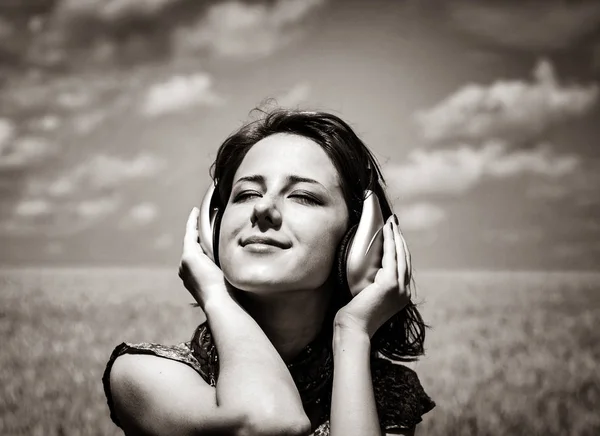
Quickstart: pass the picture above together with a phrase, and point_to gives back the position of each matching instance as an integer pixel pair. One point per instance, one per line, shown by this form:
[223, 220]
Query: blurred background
[483, 114]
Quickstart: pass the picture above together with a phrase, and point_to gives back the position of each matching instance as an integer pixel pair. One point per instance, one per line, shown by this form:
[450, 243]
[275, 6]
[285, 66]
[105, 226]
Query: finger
[388, 262]
[191, 229]
[400, 248]
[405, 267]
[408, 259]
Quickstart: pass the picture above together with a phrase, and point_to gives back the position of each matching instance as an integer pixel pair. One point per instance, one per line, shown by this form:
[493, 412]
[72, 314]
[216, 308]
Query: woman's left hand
[388, 294]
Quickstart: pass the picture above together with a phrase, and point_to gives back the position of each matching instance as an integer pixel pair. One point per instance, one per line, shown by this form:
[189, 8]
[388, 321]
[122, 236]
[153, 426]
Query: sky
[483, 114]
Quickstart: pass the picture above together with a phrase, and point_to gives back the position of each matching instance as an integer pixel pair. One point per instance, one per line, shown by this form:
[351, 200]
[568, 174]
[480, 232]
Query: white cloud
[113, 10]
[420, 216]
[102, 172]
[7, 131]
[163, 241]
[238, 29]
[140, 215]
[179, 93]
[510, 110]
[57, 218]
[536, 26]
[25, 151]
[511, 236]
[294, 96]
[33, 208]
[97, 208]
[454, 171]
[47, 123]
[540, 161]
[86, 122]
[74, 99]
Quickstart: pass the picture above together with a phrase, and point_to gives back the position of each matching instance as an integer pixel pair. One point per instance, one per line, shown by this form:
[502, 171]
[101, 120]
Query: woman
[297, 354]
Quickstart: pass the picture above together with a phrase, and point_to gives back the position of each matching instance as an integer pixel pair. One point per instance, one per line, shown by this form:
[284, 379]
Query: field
[507, 354]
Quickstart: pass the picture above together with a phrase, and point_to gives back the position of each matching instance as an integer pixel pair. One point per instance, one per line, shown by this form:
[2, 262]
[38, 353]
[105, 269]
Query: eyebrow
[291, 180]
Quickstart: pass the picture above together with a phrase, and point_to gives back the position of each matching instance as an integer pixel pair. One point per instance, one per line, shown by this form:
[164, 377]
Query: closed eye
[306, 199]
[245, 195]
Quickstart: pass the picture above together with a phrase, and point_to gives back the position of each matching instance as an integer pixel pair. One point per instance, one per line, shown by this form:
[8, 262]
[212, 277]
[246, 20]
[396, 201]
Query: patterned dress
[400, 398]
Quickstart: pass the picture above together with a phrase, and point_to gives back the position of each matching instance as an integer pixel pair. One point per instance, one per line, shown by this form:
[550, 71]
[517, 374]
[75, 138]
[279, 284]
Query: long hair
[402, 337]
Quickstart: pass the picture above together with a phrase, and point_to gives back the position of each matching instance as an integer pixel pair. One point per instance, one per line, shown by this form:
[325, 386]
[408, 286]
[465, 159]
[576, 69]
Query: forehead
[285, 154]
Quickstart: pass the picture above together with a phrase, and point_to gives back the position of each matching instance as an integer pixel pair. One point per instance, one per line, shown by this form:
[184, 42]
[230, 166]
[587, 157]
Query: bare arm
[156, 396]
[252, 375]
[353, 407]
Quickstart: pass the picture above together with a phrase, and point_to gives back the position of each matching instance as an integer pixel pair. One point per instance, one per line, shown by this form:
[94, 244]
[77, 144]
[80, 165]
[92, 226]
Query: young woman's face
[284, 219]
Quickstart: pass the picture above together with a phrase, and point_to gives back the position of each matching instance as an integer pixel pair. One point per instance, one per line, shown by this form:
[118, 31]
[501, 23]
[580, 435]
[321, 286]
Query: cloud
[113, 10]
[84, 123]
[596, 57]
[96, 208]
[295, 95]
[454, 171]
[164, 241]
[100, 173]
[513, 236]
[80, 197]
[420, 216]
[7, 131]
[511, 110]
[540, 161]
[236, 29]
[179, 93]
[535, 26]
[86, 34]
[140, 215]
[46, 123]
[24, 151]
[33, 208]
[57, 217]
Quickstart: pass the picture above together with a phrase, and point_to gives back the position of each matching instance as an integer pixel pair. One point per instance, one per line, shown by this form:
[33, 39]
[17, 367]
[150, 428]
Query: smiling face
[284, 218]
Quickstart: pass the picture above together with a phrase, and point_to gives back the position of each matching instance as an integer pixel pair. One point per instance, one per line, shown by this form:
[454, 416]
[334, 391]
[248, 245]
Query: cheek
[325, 242]
[228, 229]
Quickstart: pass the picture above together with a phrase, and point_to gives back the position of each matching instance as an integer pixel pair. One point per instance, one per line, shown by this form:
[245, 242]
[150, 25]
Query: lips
[266, 241]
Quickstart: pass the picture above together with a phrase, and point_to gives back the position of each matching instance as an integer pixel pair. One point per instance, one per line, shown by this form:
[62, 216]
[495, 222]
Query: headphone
[359, 254]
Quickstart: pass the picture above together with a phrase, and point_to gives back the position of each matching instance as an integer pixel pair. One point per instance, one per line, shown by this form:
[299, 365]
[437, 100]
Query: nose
[266, 215]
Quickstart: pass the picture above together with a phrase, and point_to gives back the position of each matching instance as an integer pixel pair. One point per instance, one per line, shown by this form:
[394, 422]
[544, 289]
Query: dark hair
[402, 336]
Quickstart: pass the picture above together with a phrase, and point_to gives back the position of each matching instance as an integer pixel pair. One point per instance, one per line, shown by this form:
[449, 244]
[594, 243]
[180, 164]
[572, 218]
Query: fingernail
[396, 219]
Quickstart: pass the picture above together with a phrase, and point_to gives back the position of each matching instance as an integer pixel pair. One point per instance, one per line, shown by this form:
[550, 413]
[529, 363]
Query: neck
[291, 320]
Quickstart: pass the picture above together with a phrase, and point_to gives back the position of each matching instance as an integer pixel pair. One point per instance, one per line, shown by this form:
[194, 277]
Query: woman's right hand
[200, 275]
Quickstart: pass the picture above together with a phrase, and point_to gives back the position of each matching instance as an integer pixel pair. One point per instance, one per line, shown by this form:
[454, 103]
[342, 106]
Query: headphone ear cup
[342, 258]
[215, 235]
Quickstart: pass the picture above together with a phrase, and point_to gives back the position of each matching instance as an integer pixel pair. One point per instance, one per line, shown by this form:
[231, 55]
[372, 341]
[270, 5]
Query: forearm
[353, 407]
[252, 376]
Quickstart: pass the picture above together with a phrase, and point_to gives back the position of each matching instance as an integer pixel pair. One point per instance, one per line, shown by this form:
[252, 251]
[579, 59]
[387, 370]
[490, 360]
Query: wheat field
[508, 353]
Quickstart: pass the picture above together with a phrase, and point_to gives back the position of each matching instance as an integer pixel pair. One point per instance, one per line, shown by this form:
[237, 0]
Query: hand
[388, 294]
[200, 275]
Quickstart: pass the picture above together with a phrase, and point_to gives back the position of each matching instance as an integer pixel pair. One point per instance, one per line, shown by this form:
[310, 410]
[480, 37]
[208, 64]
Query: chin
[259, 285]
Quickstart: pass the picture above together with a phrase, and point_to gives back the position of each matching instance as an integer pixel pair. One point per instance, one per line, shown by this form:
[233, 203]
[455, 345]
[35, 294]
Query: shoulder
[400, 396]
[135, 370]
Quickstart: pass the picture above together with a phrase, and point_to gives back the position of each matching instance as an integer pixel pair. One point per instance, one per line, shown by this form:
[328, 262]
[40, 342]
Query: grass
[508, 353]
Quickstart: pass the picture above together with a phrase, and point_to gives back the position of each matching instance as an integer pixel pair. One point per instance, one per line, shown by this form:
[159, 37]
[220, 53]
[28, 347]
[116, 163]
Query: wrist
[345, 337]
[217, 302]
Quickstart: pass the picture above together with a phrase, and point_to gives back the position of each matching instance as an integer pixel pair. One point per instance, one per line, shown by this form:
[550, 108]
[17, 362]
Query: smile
[264, 241]
[258, 247]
